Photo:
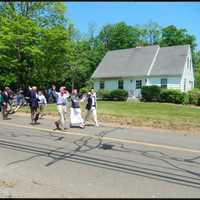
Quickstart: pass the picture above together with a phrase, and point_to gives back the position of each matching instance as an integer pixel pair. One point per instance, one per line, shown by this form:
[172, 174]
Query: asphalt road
[37, 161]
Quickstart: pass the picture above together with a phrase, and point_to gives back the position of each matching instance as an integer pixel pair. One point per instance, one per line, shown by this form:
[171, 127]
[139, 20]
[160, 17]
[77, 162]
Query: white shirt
[93, 99]
[42, 99]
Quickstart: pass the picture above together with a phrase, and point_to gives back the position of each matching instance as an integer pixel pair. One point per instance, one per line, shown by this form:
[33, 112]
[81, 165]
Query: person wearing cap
[91, 107]
[75, 114]
[61, 101]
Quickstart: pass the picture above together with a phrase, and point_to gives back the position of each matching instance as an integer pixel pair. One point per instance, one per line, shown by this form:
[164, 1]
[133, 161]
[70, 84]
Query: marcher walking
[33, 102]
[61, 101]
[1, 100]
[75, 114]
[91, 107]
[42, 103]
[5, 103]
[20, 101]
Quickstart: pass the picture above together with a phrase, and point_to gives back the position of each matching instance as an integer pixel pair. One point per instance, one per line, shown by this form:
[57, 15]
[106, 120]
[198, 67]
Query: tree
[45, 14]
[52, 66]
[119, 36]
[196, 64]
[18, 47]
[171, 35]
[33, 51]
[150, 33]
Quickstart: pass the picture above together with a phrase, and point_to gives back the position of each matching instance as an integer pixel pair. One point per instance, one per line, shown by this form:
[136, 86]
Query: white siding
[111, 84]
[188, 74]
[96, 85]
[172, 82]
[129, 85]
[108, 84]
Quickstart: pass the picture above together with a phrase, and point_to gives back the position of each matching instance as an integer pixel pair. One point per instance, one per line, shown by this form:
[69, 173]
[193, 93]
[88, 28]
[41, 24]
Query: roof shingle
[136, 62]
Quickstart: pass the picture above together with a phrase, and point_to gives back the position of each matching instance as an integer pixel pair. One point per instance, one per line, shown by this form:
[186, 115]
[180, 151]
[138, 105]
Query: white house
[129, 69]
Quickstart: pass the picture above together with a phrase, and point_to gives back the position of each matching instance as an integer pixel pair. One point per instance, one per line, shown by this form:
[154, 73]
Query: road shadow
[84, 145]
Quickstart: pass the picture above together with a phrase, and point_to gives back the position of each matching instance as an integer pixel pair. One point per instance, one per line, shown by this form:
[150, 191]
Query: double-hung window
[138, 84]
[163, 83]
[120, 84]
[102, 85]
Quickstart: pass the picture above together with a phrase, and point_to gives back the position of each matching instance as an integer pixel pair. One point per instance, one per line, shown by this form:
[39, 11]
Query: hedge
[112, 95]
[150, 93]
[119, 95]
[194, 97]
[156, 94]
[172, 96]
[104, 94]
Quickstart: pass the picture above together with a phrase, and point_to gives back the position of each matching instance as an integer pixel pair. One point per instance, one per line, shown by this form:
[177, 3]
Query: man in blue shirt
[61, 101]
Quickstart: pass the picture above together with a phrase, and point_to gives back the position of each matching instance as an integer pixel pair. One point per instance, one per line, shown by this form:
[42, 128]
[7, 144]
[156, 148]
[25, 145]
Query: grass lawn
[157, 115]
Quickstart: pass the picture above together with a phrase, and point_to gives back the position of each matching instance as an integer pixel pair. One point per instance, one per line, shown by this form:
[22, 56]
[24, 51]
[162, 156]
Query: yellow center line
[107, 138]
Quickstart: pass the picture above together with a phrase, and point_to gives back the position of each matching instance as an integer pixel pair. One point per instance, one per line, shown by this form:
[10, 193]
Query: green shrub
[172, 96]
[116, 95]
[194, 97]
[150, 93]
[84, 90]
[119, 95]
[104, 94]
[186, 99]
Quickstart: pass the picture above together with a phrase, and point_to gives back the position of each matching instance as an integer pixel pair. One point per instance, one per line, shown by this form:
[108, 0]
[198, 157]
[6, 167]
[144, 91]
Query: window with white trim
[101, 85]
[138, 84]
[120, 84]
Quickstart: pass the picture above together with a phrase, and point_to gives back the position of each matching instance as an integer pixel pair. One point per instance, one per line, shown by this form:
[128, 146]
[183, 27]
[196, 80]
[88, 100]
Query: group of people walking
[75, 110]
[37, 101]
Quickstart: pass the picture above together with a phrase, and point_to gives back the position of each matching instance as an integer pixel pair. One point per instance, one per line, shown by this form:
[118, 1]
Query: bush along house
[130, 69]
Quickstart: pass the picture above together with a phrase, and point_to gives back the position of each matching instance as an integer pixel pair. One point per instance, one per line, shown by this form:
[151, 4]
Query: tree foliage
[31, 52]
[171, 35]
[119, 36]
[40, 46]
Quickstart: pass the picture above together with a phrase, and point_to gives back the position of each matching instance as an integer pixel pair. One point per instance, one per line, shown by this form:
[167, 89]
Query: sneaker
[57, 125]
[82, 126]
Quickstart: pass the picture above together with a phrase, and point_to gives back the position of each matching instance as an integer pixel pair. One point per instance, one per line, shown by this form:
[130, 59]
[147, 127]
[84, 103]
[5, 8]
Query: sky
[181, 14]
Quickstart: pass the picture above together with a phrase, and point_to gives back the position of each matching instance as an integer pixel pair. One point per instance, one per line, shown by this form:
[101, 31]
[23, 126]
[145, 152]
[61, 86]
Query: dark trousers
[34, 114]
[5, 111]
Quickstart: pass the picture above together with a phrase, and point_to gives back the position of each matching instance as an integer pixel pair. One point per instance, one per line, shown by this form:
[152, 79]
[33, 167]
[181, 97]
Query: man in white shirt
[42, 103]
[61, 101]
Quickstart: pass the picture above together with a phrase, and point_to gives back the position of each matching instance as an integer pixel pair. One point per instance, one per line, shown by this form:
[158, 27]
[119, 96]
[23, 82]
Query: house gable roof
[170, 60]
[137, 62]
[126, 62]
